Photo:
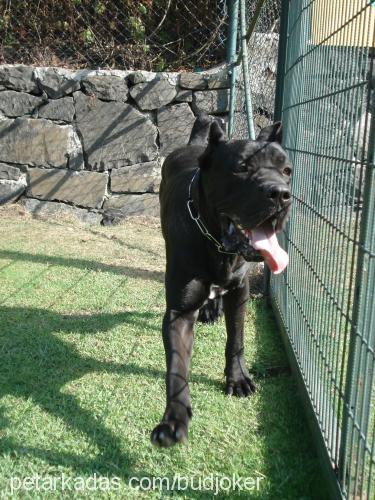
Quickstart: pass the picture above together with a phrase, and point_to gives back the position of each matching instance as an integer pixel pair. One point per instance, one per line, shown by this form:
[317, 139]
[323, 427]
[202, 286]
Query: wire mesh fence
[128, 34]
[260, 65]
[325, 300]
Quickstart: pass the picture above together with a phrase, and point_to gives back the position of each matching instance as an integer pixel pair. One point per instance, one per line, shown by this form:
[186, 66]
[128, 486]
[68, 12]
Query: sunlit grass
[82, 372]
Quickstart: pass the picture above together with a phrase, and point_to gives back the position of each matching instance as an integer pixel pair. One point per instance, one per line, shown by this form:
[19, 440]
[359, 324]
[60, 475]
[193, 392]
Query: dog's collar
[198, 220]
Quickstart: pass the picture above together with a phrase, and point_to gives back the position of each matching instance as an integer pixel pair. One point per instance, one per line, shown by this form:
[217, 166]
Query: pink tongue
[265, 241]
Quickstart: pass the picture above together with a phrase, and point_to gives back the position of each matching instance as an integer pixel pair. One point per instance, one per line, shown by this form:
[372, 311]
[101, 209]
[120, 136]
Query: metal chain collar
[198, 220]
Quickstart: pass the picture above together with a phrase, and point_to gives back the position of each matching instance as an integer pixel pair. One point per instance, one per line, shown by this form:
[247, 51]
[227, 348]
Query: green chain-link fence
[325, 301]
[124, 34]
[255, 66]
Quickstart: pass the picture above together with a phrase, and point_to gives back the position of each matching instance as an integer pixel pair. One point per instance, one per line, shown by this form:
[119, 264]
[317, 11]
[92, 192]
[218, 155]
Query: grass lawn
[82, 375]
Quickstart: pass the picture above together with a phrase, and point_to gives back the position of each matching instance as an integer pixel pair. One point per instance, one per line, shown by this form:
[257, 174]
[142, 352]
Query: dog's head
[247, 183]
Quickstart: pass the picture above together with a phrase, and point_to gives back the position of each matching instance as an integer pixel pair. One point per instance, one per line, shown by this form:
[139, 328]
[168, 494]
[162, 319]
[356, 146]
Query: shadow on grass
[289, 453]
[111, 237]
[36, 365]
[119, 241]
[132, 272]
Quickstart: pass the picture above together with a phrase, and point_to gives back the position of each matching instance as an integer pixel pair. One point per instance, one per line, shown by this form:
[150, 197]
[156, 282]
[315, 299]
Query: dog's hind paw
[211, 311]
[169, 433]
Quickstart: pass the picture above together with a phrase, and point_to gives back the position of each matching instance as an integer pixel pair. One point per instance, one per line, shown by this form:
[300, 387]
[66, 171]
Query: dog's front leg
[238, 380]
[178, 343]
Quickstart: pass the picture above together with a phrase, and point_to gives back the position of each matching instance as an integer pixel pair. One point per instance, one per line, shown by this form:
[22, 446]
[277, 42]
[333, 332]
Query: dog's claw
[241, 388]
[239, 392]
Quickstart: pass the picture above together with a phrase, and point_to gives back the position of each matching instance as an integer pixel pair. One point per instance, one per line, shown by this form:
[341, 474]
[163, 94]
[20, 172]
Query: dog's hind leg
[238, 380]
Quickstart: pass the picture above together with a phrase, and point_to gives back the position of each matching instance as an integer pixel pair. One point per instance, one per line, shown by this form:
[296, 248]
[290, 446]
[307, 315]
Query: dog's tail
[211, 311]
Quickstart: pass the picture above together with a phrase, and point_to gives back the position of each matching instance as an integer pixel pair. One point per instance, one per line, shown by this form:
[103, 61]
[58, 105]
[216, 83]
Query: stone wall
[91, 143]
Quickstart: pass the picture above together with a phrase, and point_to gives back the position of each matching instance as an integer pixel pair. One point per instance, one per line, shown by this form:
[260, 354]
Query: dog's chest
[227, 279]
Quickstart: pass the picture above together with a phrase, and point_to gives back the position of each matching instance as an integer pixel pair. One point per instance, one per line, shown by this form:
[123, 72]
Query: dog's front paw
[169, 433]
[174, 425]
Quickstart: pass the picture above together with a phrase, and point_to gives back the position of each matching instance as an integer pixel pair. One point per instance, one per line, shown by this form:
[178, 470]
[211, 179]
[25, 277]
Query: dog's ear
[272, 133]
[200, 131]
[216, 136]
[221, 123]
[217, 133]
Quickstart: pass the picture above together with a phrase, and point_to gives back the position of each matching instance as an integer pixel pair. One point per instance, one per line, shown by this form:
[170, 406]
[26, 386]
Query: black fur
[233, 183]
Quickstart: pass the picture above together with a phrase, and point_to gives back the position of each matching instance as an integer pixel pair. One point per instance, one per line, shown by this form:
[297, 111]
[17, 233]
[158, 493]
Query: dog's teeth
[239, 227]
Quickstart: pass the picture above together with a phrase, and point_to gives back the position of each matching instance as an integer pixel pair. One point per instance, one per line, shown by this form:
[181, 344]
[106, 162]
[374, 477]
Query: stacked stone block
[92, 142]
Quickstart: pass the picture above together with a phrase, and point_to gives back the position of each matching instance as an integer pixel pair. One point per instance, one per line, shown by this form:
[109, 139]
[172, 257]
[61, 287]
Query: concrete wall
[91, 143]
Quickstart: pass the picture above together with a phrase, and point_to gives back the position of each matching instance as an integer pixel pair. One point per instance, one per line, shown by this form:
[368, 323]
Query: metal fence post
[231, 56]
[245, 71]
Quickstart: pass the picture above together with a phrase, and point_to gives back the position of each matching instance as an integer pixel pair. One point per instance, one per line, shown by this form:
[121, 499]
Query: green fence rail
[325, 301]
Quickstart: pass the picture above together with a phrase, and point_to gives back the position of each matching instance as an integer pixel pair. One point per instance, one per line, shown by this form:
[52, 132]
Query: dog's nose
[280, 194]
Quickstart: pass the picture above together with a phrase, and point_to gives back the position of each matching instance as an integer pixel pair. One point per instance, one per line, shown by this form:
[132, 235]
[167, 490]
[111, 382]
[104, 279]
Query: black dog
[221, 205]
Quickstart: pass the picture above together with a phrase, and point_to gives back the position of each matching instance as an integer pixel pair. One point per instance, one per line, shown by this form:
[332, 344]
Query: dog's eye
[242, 166]
[287, 171]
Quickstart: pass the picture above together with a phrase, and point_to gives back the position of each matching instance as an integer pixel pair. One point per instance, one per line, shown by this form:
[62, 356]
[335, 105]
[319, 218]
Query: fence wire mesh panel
[260, 63]
[325, 299]
[127, 34]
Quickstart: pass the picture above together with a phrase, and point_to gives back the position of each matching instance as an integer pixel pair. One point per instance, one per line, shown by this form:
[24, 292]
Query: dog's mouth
[257, 243]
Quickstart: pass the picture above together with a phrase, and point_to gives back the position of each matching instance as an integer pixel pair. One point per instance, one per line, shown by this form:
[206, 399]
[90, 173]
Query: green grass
[82, 373]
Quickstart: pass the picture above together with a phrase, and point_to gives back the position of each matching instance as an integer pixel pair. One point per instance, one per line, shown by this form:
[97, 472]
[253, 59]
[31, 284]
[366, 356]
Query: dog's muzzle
[258, 242]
